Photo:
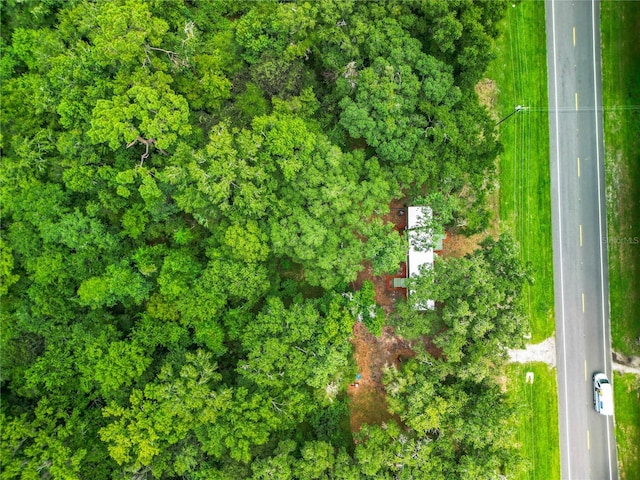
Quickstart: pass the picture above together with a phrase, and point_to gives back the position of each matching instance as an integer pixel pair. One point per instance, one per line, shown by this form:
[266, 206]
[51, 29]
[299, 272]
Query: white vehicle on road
[602, 394]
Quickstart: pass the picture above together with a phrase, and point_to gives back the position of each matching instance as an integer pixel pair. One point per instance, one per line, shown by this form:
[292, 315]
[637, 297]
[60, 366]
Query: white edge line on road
[564, 345]
[604, 317]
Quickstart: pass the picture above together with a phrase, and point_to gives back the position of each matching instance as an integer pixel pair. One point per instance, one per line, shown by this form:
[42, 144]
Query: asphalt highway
[587, 442]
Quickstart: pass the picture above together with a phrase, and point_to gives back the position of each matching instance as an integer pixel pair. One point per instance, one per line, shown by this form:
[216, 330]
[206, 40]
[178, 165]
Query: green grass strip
[627, 410]
[520, 72]
[537, 432]
[620, 25]
[520, 75]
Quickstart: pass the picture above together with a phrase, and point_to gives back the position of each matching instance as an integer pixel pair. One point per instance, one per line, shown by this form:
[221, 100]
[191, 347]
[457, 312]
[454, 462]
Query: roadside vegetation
[621, 99]
[538, 419]
[627, 412]
[520, 75]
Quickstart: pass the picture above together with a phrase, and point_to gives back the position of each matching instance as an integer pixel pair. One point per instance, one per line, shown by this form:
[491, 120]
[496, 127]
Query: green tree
[283, 352]
[280, 465]
[479, 313]
[187, 190]
[363, 307]
[48, 444]
[385, 247]
[123, 29]
[119, 284]
[159, 427]
[149, 113]
[317, 460]
[7, 278]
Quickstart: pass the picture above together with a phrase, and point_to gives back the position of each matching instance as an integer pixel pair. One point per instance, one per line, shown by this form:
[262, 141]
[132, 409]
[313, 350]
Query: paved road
[587, 442]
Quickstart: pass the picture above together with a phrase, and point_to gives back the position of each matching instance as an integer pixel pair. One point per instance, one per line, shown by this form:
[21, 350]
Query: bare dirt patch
[368, 403]
[458, 244]
[386, 294]
[502, 381]
[626, 363]
[487, 91]
[539, 352]
[367, 396]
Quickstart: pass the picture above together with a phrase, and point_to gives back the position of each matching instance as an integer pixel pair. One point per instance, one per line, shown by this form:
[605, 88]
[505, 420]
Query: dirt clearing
[368, 402]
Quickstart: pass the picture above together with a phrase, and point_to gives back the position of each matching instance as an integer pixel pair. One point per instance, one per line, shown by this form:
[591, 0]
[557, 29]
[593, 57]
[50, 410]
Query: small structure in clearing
[368, 403]
[421, 247]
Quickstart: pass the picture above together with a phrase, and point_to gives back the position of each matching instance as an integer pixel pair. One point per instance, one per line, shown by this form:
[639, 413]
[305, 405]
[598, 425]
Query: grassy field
[627, 407]
[520, 73]
[539, 419]
[620, 23]
[620, 26]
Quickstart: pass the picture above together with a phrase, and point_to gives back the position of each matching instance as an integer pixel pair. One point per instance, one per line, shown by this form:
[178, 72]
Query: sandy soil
[626, 364]
[372, 354]
[386, 295]
[368, 403]
[544, 351]
[487, 91]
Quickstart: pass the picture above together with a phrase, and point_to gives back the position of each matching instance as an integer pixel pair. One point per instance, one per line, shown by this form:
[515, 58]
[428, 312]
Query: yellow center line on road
[588, 441]
[578, 166]
[576, 100]
[583, 303]
[574, 36]
[580, 235]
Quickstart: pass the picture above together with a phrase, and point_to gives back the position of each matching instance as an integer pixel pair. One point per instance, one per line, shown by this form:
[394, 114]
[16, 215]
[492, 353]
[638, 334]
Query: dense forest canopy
[189, 188]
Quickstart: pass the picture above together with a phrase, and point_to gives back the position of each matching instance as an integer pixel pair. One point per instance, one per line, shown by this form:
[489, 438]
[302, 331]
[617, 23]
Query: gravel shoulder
[544, 351]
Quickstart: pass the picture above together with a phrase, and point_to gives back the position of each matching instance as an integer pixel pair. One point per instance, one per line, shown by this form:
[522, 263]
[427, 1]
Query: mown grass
[520, 72]
[627, 411]
[520, 76]
[620, 25]
[537, 433]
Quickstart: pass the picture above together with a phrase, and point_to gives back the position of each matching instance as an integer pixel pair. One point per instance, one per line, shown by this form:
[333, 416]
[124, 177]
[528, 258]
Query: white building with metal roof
[420, 245]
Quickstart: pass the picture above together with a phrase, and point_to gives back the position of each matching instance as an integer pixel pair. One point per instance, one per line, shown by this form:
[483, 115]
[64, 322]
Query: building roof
[420, 244]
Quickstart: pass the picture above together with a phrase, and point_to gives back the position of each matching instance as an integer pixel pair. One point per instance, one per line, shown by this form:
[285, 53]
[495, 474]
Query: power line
[517, 109]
